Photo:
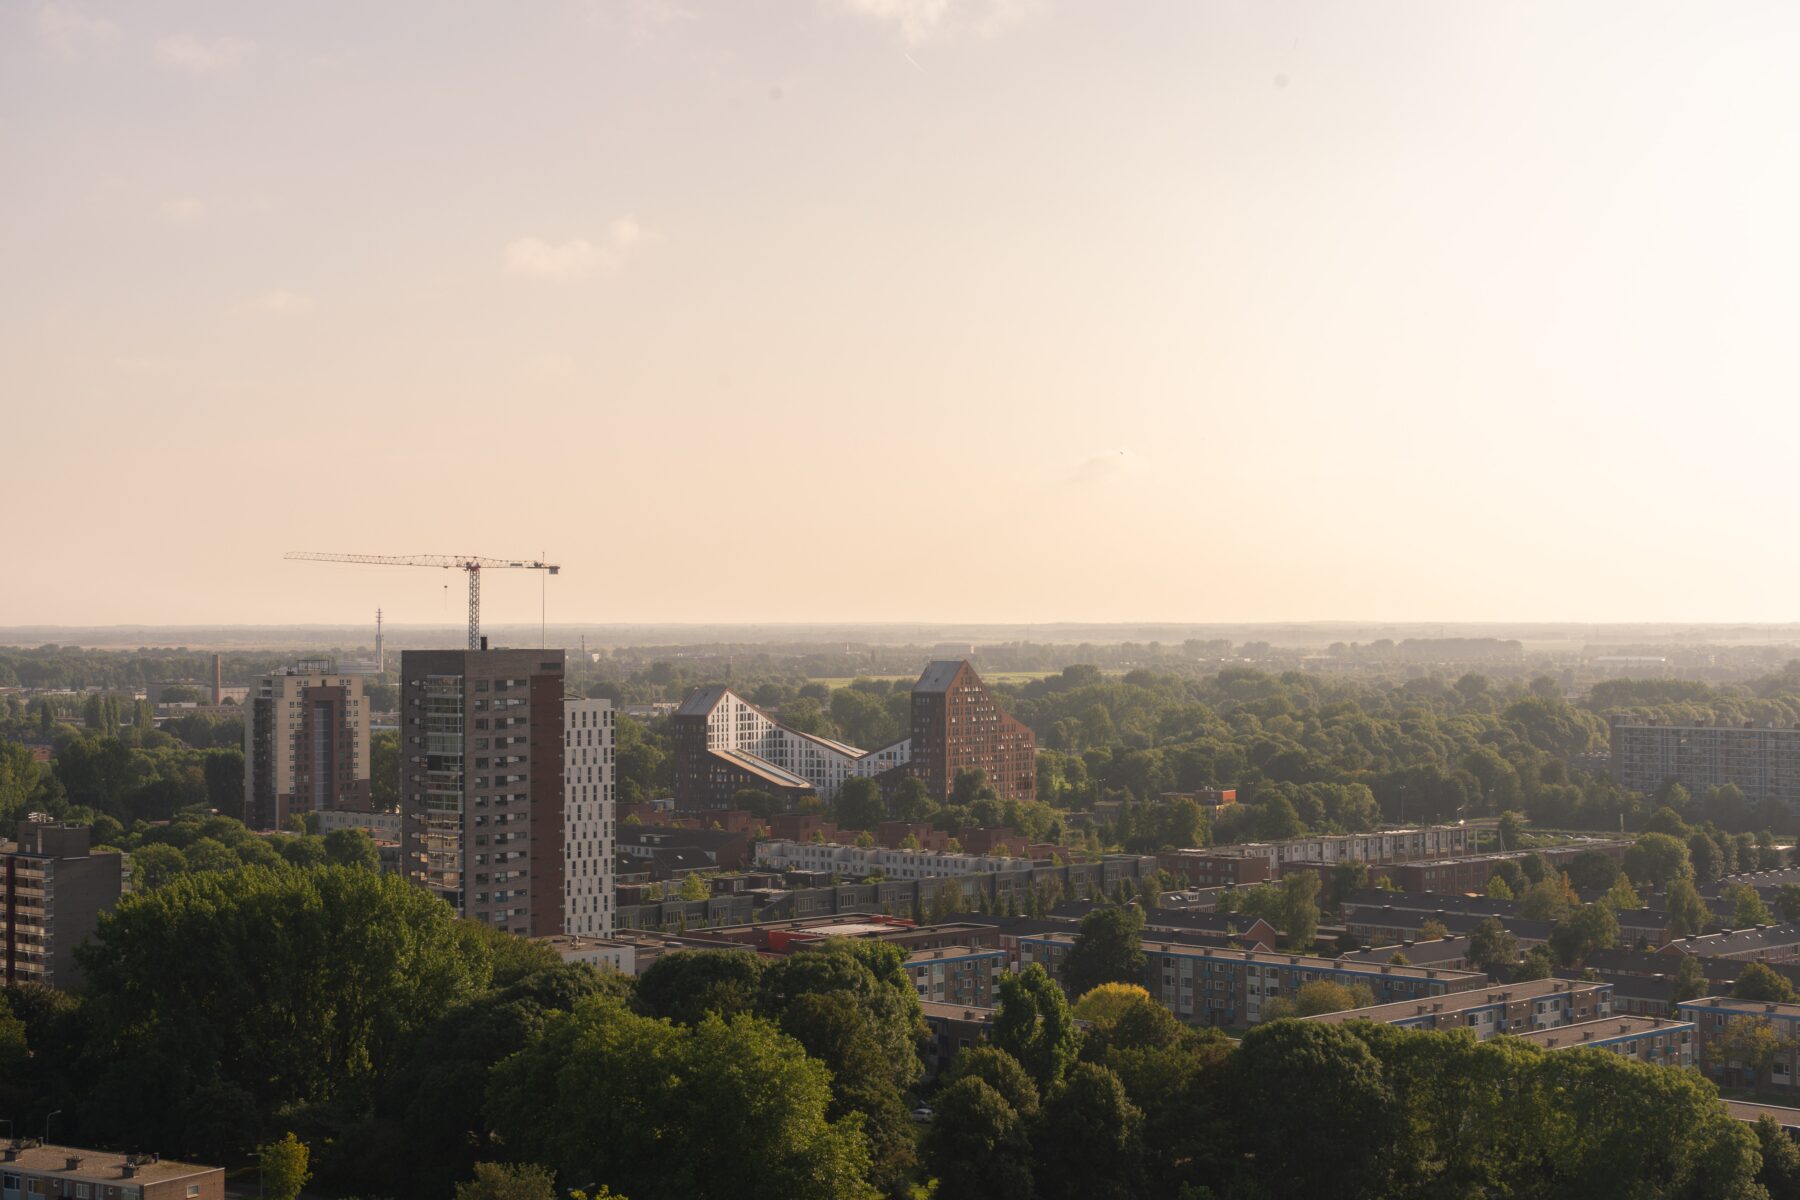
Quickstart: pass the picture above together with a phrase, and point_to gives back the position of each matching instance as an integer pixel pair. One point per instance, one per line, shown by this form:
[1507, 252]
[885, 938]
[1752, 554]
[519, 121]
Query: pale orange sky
[900, 309]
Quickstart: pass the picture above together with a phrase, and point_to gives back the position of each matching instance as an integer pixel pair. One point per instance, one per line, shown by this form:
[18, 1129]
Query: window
[193, 1189]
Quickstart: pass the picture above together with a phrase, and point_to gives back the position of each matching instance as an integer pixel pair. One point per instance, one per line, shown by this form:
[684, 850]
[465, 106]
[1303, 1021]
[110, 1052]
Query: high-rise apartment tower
[506, 790]
[588, 813]
[306, 745]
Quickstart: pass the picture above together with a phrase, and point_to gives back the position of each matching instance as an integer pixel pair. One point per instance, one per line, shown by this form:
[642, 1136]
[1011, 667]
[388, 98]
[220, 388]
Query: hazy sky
[901, 309]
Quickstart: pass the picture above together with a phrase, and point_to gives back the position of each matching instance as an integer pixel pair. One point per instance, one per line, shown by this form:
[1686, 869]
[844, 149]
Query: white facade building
[782, 855]
[588, 817]
[733, 723]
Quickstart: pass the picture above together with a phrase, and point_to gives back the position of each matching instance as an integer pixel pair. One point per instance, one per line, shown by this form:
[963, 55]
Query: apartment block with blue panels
[1208, 985]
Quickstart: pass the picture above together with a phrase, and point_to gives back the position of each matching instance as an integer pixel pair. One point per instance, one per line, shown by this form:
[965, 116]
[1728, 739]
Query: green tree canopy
[282, 1167]
[295, 987]
[1490, 945]
[1656, 858]
[666, 1112]
[686, 985]
[1108, 949]
[979, 1146]
[1688, 914]
[1758, 982]
[1032, 1022]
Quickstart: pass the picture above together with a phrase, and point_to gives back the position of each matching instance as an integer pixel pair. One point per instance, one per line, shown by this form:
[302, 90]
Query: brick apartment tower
[53, 888]
[481, 783]
[306, 746]
[957, 723]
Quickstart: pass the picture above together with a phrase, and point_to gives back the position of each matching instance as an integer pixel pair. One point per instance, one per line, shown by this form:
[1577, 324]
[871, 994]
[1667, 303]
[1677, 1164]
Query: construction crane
[473, 564]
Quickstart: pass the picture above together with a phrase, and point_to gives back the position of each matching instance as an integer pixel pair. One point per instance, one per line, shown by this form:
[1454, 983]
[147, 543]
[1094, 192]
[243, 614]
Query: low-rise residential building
[953, 1029]
[1471, 873]
[652, 844]
[1648, 1039]
[964, 975]
[1217, 865]
[1516, 1008]
[1406, 924]
[1762, 943]
[53, 888]
[34, 1170]
[863, 861]
[1715, 1017]
[1637, 995]
[1750, 1113]
[611, 953]
[1765, 882]
[1220, 985]
[1444, 952]
[1211, 869]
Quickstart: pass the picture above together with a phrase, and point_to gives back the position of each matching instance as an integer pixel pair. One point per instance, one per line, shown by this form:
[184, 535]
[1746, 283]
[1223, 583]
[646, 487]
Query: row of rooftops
[1606, 1029]
[1456, 1002]
[1621, 721]
[1732, 1005]
[1275, 959]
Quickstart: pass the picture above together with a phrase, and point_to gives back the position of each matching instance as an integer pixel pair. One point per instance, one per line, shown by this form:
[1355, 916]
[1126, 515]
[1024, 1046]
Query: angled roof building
[724, 743]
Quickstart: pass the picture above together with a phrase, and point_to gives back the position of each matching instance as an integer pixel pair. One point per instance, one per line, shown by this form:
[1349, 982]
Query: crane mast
[470, 564]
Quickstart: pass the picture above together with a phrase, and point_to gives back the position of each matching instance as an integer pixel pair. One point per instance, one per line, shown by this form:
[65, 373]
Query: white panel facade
[735, 724]
[589, 831]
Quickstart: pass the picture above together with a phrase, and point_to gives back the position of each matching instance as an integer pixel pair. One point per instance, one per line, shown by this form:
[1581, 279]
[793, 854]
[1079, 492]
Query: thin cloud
[536, 258]
[1114, 464]
[285, 303]
[916, 22]
[69, 31]
[184, 210]
[202, 56]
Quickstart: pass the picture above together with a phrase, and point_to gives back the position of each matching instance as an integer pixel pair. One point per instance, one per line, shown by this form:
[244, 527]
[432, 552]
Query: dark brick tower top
[957, 723]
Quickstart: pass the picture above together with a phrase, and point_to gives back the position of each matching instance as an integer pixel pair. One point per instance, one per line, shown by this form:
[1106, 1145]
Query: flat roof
[1273, 959]
[955, 1012]
[1744, 1110]
[580, 941]
[1451, 1002]
[99, 1166]
[850, 928]
[763, 767]
[927, 955]
[1598, 1033]
[1758, 1008]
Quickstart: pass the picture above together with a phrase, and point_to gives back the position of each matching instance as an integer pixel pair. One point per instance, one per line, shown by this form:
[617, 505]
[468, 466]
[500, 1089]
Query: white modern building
[783, 855]
[736, 726]
[589, 810]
